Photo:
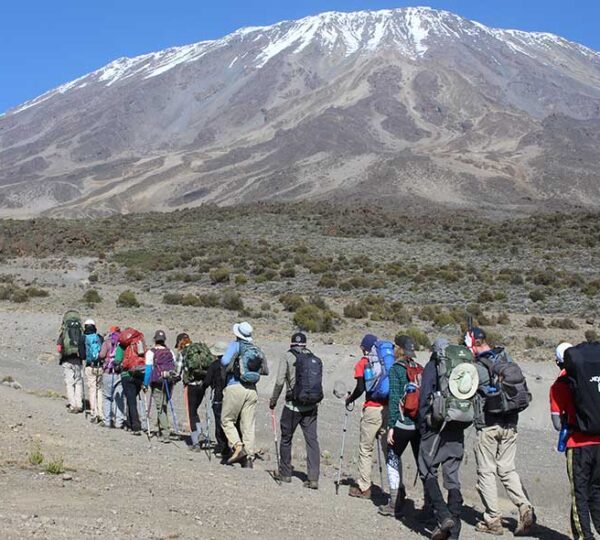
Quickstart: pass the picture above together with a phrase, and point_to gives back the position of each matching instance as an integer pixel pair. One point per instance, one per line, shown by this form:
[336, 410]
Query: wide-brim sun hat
[463, 381]
[243, 331]
[219, 348]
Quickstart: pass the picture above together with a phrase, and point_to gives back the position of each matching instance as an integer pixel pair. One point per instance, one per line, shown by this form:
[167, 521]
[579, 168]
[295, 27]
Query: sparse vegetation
[127, 299]
[91, 297]
[35, 455]
[56, 466]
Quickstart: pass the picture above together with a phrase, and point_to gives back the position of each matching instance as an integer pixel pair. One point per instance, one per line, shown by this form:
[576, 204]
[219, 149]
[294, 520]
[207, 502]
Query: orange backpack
[409, 404]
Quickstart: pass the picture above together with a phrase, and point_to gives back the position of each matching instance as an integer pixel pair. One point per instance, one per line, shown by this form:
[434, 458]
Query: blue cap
[478, 333]
[367, 342]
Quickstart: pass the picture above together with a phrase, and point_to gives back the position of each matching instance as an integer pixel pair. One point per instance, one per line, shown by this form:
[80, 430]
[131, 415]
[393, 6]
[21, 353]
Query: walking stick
[379, 464]
[344, 431]
[112, 398]
[166, 387]
[85, 410]
[274, 428]
[146, 409]
[207, 440]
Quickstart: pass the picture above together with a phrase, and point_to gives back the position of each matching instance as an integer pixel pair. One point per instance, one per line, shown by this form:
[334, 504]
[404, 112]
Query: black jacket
[215, 379]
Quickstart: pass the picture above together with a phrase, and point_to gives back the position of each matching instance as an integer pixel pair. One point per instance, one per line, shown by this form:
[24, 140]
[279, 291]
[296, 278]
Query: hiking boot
[310, 484]
[442, 531]
[280, 478]
[526, 522]
[493, 527]
[238, 454]
[137, 433]
[195, 448]
[389, 509]
[355, 491]
[247, 463]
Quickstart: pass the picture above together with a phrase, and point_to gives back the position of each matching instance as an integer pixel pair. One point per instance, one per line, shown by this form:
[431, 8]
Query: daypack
[409, 404]
[71, 333]
[113, 340]
[380, 360]
[308, 388]
[447, 408]
[197, 358]
[164, 362]
[512, 394]
[582, 364]
[132, 341]
[248, 364]
[93, 344]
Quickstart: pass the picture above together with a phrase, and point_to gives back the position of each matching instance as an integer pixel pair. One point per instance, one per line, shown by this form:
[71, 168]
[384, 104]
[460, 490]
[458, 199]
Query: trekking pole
[85, 411]
[274, 428]
[207, 441]
[146, 410]
[344, 431]
[112, 398]
[166, 387]
[379, 465]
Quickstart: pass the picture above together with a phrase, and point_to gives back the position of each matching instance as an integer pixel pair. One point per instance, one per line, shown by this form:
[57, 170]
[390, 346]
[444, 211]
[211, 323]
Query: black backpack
[582, 364]
[512, 394]
[308, 389]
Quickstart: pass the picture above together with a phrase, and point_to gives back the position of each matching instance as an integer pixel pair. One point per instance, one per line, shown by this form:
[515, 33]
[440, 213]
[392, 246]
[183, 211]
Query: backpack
[92, 349]
[248, 364]
[71, 333]
[164, 362]
[113, 339]
[582, 364]
[132, 341]
[512, 394]
[409, 404]
[308, 389]
[446, 407]
[196, 360]
[380, 361]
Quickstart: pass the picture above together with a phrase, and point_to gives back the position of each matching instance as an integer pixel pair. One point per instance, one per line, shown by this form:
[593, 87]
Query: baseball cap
[367, 342]
[299, 338]
[159, 335]
[407, 344]
[89, 322]
[478, 333]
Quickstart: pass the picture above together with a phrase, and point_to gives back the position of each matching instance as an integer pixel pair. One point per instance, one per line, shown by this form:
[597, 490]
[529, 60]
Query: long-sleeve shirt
[429, 385]
[286, 376]
[398, 380]
[231, 353]
[214, 379]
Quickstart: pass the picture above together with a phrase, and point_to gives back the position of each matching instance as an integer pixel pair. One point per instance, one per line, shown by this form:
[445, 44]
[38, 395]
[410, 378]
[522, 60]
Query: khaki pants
[240, 402]
[74, 384]
[495, 454]
[373, 419]
[93, 378]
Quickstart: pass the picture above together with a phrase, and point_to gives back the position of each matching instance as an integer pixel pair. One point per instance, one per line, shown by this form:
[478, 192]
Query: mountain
[409, 107]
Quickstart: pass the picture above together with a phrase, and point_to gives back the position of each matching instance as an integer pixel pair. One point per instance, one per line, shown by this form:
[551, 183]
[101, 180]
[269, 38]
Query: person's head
[218, 349]
[438, 347]
[114, 329]
[160, 338]
[89, 324]
[405, 346]
[298, 340]
[182, 341]
[367, 343]
[480, 343]
[243, 331]
[560, 353]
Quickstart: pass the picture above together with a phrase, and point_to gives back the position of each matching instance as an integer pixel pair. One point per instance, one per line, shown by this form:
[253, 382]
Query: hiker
[159, 377]
[244, 363]
[449, 382]
[496, 424]
[372, 421]
[574, 406]
[215, 380]
[90, 346]
[301, 372]
[405, 381]
[68, 348]
[195, 360]
[130, 364]
[112, 389]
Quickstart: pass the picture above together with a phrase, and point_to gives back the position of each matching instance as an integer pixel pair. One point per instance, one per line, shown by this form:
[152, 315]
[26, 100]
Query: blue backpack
[92, 349]
[249, 363]
[380, 361]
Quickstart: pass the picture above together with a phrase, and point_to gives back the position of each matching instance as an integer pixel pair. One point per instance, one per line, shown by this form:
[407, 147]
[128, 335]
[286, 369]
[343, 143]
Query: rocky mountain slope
[411, 105]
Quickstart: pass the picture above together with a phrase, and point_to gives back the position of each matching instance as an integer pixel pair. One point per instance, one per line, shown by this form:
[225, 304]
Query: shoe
[137, 433]
[355, 491]
[442, 531]
[281, 478]
[105, 426]
[195, 448]
[526, 522]
[310, 484]
[247, 463]
[238, 454]
[493, 527]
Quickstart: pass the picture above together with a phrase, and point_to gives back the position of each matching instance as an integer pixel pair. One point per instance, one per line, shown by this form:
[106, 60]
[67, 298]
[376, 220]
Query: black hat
[406, 343]
[478, 333]
[160, 335]
[299, 339]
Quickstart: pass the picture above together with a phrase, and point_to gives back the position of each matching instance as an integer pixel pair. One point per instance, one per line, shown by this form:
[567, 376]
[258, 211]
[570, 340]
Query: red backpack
[409, 404]
[132, 341]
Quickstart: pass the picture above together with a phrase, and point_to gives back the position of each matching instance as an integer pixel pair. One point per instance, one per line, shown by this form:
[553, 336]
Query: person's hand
[144, 388]
[348, 400]
[272, 403]
[390, 436]
[468, 339]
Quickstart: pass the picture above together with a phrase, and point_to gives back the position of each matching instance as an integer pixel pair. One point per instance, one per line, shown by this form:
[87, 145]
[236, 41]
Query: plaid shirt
[398, 381]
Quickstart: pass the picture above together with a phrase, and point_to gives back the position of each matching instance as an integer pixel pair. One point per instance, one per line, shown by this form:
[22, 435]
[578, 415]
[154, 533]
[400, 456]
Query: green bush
[191, 300]
[172, 299]
[56, 466]
[591, 336]
[19, 296]
[485, 297]
[127, 299]
[443, 319]
[327, 281]
[241, 279]
[537, 295]
[355, 310]
[535, 322]
[34, 292]
[219, 275]
[232, 301]
[311, 318]
[563, 324]
[291, 301]
[503, 319]
[91, 297]
[287, 272]
[531, 342]
[209, 300]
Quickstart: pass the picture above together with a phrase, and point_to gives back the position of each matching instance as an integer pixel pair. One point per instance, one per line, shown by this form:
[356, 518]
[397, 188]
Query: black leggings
[131, 388]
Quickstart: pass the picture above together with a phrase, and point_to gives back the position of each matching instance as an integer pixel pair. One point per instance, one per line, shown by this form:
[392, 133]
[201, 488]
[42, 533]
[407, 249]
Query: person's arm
[82, 353]
[104, 350]
[232, 351]
[149, 364]
[264, 367]
[358, 391]
[210, 374]
[428, 387]
[557, 405]
[282, 370]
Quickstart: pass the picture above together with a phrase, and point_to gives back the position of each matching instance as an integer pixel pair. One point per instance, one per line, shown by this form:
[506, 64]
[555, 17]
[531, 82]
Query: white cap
[89, 322]
[560, 352]
[243, 331]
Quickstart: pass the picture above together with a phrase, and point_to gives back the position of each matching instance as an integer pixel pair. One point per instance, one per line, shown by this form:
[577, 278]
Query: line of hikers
[428, 408]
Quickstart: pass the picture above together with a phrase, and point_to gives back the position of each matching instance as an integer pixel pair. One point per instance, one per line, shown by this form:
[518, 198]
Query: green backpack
[71, 332]
[196, 360]
[457, 385]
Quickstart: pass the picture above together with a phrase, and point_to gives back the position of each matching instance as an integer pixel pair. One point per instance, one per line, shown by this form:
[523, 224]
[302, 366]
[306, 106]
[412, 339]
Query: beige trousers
[495, 454]
[93, 378]
[74, 384]
[239, 402]
[372, 420]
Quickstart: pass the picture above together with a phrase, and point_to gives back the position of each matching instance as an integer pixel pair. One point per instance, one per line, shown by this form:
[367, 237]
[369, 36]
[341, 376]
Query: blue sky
[44, 43]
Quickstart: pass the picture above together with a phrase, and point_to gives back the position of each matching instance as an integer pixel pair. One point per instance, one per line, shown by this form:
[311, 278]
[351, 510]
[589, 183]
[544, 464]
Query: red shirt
[561, 403]
[359, 372]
